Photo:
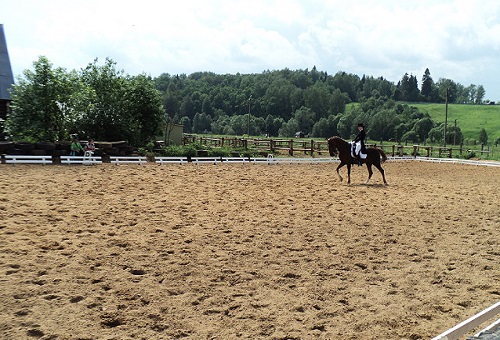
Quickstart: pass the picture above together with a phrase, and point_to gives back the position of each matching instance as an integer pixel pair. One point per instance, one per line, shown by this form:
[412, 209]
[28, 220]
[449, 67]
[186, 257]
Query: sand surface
[243, 251]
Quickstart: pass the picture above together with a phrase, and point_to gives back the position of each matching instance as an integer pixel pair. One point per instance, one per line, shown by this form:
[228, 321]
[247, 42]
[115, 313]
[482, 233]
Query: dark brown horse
[343, 148]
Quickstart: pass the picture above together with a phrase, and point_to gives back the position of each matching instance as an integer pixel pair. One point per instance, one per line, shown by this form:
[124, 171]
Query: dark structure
[6, 80]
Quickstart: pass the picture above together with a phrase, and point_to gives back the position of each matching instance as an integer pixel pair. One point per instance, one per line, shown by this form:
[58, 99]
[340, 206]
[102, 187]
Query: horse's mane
[337, 138]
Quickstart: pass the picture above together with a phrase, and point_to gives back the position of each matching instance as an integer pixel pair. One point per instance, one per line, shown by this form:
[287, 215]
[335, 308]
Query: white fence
[13, 159]
[128, 160]
[462, 328]
[171, 160]
[92, 160]
[18, 159]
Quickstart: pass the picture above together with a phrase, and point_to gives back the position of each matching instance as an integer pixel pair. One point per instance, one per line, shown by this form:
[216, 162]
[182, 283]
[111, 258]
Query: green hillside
[470, 118]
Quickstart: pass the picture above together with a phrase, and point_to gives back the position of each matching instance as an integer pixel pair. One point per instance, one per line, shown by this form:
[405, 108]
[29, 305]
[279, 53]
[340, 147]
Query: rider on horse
[361, 139]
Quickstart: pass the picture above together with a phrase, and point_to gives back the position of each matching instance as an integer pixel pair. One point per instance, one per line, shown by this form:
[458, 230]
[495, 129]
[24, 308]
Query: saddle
[356, 149]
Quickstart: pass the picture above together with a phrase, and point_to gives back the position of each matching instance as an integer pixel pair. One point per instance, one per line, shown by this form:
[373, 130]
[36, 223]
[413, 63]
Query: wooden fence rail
[321, 147]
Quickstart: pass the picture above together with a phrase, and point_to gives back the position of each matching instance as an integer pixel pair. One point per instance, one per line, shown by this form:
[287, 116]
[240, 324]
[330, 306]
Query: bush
[191, 150]
[471, 154]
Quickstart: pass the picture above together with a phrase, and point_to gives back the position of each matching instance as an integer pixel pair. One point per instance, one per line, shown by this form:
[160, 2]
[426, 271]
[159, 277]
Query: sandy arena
[242, 251]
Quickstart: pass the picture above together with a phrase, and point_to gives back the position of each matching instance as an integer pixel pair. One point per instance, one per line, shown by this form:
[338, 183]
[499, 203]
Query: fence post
[290, 147]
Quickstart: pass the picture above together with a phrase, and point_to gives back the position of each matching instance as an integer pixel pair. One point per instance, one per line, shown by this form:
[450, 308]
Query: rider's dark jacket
[361, 138]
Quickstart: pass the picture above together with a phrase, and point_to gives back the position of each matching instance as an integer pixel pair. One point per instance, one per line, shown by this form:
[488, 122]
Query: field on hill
[470, 118]
[245, 251]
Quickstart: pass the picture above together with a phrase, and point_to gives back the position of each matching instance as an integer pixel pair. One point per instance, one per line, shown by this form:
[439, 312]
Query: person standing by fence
[76, 147]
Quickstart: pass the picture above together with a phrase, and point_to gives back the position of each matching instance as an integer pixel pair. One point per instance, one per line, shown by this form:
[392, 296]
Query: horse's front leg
[338, 173]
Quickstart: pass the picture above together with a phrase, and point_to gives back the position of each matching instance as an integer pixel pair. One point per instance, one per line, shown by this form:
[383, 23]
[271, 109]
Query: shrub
[471, 154]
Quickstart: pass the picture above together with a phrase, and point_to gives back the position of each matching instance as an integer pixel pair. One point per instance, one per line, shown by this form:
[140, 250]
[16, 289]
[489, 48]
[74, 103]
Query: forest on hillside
[283, 102]
[102, 102]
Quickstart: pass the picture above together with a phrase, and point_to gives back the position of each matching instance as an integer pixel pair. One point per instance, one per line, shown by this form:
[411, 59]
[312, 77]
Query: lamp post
[248, 122]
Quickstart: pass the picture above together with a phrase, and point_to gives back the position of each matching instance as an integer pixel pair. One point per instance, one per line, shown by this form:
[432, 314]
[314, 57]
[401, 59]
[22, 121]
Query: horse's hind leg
[370, 172]
[379, 167]
[348, 173]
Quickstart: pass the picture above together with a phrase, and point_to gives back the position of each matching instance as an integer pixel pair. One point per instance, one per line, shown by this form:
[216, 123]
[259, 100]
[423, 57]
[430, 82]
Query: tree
[409, 88]
[480, 92]
[483, 137]
[143, 104]
[422, 128]
[305, 119]
[43, 105]
[202, 123]
[447, 86]
[453, 134]
[410, 136]
[427, 86]
[186, 123]
[326, 127]
[120, 107]
[289, 128]
[273, 125]
[106, 117]
[318, 99]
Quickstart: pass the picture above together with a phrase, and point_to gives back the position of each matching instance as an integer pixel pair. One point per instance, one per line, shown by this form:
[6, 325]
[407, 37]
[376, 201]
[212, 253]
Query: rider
[360, 138]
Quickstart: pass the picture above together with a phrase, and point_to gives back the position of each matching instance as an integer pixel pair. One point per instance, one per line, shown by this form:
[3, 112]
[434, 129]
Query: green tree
[305, 119]
[422, 128]
[186, 123]
[409, 88]
[326, 127]
[427, 86]
[483, 137]
[43, 107]
[453, 135]
[447, 86]
[318, 99]
[273, 125]
[289, 128]
[410, 136]
[143, 105]
[202, 123]
[106, 118]
[480, 92]
[346, 83]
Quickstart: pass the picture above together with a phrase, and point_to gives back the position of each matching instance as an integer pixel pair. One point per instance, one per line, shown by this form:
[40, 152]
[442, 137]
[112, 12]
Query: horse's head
[332, 146]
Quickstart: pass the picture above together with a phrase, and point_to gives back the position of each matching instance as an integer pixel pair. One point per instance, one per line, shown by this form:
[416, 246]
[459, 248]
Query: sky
[455, 39]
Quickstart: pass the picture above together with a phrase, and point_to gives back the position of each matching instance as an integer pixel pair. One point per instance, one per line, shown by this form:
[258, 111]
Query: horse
[373, 157]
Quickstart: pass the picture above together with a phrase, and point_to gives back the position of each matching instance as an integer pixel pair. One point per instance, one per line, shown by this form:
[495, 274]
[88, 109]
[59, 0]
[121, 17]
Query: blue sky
[457, 39]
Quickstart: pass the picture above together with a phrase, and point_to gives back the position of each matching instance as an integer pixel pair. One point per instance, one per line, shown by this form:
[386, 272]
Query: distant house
[6, 80]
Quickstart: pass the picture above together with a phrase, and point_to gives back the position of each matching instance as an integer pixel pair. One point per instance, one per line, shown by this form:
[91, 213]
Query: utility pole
[248, 122]
[445, 116]
[455, 134]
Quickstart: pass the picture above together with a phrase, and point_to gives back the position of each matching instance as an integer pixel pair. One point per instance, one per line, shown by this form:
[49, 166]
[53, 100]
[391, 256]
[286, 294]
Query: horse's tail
[382, 153]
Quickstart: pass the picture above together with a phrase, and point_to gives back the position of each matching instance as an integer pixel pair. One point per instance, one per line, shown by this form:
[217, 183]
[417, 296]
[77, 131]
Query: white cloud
[457, 39]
